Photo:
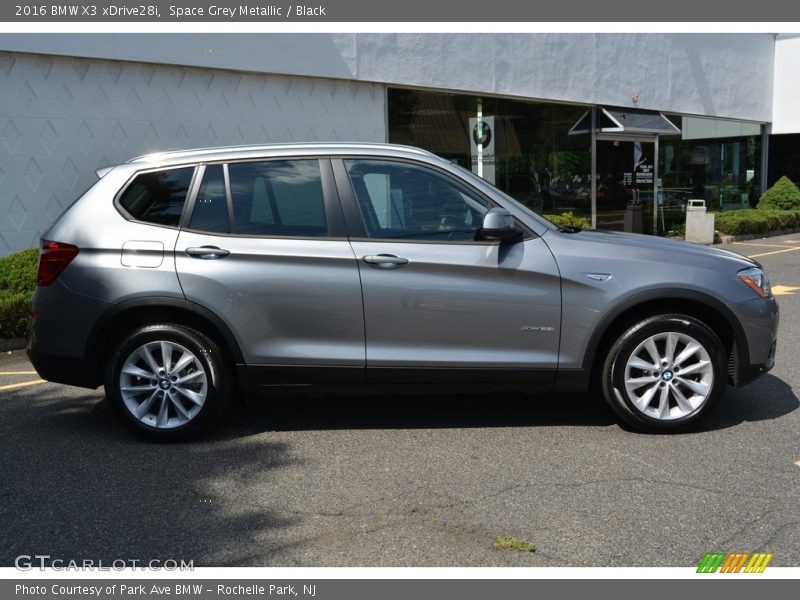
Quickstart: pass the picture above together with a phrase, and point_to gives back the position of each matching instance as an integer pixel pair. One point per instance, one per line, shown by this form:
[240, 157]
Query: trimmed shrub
[748, 220]
[567, 219]
[784, 195]
[17, 282]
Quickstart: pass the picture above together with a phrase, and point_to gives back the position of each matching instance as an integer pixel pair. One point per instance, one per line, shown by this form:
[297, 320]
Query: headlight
[756, 280]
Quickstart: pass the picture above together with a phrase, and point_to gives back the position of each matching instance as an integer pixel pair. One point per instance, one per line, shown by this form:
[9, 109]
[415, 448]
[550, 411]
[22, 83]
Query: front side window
[278, 198]
[157, 197]
[404, 201]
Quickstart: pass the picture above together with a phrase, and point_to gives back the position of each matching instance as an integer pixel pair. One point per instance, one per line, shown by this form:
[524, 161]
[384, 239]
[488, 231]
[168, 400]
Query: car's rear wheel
[168, 381]
[665, 373]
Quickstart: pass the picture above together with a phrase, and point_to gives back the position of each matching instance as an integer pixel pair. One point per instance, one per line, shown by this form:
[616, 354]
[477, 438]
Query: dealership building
[623, 129]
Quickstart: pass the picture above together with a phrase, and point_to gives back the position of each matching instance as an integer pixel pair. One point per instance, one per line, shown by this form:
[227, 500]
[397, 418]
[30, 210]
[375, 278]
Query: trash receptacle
[633, 221]
[699, 223]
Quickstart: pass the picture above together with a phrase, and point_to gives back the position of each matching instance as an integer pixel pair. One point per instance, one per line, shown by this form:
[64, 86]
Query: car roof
[171, 157]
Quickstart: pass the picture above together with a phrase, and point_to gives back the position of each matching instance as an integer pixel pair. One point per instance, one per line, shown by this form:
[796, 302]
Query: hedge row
[567, 219]
[748, 220]
[17, 282]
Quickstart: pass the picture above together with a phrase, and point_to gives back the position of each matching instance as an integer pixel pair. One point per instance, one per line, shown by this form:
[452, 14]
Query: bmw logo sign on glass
[482, 133]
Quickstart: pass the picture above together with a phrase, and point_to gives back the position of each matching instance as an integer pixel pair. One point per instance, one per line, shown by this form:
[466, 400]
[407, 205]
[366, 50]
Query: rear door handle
[385, 260]
[207, 252]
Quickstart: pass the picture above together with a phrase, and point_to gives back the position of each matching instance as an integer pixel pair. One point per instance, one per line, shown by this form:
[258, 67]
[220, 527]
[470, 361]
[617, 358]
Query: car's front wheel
[665, 373]
[167, 381]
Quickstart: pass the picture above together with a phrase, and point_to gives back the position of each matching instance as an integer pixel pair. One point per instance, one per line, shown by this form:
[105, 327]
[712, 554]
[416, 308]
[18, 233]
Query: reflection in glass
[714, 160]
[534, 159]
[278, 198]
[524, 149]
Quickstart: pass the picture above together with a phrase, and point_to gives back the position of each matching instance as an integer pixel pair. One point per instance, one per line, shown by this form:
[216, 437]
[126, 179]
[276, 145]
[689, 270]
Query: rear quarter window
[158, 196]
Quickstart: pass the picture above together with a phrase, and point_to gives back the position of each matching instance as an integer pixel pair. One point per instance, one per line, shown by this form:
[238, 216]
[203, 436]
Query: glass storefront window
[523, 148]
[715, 160]
[784, 157]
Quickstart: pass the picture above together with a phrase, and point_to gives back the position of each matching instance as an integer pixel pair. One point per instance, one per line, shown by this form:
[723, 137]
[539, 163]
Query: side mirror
[498, 225]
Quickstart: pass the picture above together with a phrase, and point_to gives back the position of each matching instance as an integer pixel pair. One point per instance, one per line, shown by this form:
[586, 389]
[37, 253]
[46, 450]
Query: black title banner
[407, 11]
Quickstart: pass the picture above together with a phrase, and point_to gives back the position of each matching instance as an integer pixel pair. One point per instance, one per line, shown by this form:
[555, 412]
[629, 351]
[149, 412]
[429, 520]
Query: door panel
[437, 298]
[288, 301]
[287, 287]
[482, 306]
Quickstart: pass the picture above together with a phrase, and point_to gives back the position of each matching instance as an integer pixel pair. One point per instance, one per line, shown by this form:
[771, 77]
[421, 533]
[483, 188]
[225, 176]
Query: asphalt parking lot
[410, 481]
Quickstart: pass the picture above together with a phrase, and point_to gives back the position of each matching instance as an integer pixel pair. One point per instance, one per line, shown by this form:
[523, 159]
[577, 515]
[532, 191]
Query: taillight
[53, 259]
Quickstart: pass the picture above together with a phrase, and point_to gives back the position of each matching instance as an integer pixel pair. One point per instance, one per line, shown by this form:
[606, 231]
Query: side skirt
[397, 379]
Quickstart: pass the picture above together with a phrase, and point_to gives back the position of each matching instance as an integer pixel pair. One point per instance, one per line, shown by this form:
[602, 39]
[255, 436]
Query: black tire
[215, 382]
[679, 416]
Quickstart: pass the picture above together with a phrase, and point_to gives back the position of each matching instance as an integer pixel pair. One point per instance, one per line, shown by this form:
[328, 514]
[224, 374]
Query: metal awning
[624, 121]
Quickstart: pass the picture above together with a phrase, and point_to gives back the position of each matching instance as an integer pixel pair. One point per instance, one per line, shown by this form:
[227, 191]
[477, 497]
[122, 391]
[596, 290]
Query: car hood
[653, 243]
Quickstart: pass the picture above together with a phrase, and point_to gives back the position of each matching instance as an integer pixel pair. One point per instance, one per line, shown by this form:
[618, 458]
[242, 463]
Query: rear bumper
[57, 342]
[64, 369]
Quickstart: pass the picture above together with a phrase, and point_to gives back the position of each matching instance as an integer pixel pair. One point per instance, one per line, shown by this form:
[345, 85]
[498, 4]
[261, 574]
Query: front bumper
[754, 355]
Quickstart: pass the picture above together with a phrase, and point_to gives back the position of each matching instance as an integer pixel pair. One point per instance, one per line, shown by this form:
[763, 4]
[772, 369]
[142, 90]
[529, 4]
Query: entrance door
[625, 184]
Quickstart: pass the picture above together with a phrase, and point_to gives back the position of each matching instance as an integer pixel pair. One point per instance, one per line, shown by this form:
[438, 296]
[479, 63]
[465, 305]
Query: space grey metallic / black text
[183, 279]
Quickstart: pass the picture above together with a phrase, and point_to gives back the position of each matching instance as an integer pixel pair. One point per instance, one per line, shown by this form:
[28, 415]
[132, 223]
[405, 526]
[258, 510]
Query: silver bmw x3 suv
[182, 279]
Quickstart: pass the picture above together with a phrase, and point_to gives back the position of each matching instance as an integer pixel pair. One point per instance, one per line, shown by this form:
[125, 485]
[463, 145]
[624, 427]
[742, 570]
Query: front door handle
[385, 260]
[207, 252]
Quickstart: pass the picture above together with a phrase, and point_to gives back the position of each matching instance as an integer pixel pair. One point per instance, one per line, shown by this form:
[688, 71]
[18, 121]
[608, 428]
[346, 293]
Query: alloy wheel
[163, 384]
[669, 375]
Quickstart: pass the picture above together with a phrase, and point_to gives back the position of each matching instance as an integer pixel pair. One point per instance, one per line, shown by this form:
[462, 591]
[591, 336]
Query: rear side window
[278, 198]
[157, 197]
[211, 206]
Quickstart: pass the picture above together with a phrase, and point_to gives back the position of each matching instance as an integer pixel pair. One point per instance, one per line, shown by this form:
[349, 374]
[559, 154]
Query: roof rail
[253, 148]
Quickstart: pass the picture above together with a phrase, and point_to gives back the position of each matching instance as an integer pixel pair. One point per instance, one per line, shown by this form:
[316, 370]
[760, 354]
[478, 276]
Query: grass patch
[509, 542]
[17, 282]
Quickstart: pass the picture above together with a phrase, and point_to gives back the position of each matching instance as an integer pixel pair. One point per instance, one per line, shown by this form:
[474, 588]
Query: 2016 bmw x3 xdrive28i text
[181, 278]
